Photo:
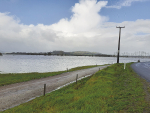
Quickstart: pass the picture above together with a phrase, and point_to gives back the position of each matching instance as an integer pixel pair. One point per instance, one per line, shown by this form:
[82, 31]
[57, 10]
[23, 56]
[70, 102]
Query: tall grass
[111, 90]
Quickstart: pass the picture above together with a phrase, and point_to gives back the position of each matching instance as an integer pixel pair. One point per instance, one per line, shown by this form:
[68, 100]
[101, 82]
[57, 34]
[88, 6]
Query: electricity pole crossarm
[119, 42]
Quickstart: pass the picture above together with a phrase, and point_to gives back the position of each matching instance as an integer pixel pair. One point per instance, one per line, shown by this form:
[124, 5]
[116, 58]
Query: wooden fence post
[44, 89]
[76, 78]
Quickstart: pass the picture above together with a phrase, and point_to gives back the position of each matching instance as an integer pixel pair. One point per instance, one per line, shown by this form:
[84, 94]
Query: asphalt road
[15, 94]
[142, 69]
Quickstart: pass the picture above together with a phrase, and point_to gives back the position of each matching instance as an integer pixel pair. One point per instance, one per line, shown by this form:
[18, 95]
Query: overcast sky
[74, 25]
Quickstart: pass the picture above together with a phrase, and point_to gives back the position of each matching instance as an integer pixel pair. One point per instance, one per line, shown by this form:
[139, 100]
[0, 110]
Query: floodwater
[40, 63]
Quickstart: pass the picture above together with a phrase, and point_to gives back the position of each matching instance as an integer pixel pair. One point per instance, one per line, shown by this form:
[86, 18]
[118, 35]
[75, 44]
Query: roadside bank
[18, 93]
[113, 89]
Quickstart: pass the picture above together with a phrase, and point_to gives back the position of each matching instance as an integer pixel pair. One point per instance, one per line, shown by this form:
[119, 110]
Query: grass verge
[11, 78]
[111, 90]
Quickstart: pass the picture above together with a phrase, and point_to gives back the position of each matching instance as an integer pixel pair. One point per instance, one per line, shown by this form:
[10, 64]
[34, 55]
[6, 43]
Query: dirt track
[15, 94]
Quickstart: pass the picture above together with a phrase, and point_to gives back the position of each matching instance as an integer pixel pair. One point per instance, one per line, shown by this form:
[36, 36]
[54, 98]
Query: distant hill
[62, 53]
[84, 53]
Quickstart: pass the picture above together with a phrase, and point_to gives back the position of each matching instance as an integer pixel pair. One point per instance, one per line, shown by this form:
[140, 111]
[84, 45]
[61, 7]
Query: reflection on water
[31, 63]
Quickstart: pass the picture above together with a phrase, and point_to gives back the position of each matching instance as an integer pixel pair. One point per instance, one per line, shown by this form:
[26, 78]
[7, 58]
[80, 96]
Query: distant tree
[49, 53]
[0, 54]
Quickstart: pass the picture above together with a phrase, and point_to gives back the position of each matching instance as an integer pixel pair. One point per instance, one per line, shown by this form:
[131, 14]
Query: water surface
[40, 63]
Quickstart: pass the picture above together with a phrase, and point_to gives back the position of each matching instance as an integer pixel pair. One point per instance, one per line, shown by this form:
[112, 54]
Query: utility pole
[119, 42]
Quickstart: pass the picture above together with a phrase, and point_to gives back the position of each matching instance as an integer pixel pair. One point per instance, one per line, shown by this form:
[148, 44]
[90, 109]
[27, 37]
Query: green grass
[11, 78]
[84, 67]
[111, 90]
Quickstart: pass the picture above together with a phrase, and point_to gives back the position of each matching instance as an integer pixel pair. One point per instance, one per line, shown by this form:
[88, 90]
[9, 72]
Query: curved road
[142, 69]
[15, 94]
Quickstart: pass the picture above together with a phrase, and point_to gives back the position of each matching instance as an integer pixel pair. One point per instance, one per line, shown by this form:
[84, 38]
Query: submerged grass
[112, 90]
[11, 78]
